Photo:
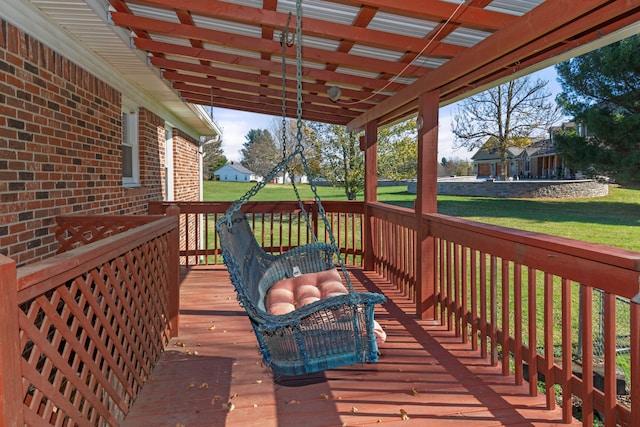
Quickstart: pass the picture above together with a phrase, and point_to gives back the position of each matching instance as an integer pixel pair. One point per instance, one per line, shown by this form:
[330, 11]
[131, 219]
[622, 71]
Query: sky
[237, 124]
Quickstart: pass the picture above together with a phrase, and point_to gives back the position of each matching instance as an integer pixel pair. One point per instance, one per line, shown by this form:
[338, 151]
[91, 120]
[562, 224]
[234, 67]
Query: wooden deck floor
[211, 375]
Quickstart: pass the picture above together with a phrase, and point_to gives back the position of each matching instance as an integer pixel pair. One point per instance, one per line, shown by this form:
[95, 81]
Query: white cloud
[235, 126]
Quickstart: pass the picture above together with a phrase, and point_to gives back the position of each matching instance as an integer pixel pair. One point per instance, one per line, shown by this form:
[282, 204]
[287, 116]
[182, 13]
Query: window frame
[130, 138]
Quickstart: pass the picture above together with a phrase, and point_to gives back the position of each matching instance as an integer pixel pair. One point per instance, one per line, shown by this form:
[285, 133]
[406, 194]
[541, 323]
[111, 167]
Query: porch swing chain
[285, 41]
[318, 202]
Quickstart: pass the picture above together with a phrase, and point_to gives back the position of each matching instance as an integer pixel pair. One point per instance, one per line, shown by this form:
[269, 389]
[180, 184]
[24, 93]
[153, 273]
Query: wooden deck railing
[81, 331]
[535, 304]
[279, 226]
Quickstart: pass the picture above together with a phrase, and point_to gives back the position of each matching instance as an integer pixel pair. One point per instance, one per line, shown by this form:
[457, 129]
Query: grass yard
[612, 220]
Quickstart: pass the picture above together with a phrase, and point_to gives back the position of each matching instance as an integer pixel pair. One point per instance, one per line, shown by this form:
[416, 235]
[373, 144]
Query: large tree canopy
[342, 161]
[398, 151]
[601, 90]
[286, 137]
[505, 116]
[260, 153]
[213, 157]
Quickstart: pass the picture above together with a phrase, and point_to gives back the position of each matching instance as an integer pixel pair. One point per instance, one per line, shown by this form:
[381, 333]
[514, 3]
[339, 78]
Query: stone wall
[524, 189]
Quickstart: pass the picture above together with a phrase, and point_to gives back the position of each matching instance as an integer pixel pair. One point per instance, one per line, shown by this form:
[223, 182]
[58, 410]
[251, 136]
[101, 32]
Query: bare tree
[505, 116]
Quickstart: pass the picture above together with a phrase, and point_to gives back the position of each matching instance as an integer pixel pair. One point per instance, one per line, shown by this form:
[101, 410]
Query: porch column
[174, 271]
[369, 143]
[426, 202]
[11, 409]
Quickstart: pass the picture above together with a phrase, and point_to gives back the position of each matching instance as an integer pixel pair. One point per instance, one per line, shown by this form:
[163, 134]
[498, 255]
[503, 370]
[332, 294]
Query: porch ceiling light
[334, 93]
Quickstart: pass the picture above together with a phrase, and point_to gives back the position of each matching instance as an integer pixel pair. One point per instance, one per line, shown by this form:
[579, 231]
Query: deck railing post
[369, 144]
[11, 409]
[174, 271]
[426, 202]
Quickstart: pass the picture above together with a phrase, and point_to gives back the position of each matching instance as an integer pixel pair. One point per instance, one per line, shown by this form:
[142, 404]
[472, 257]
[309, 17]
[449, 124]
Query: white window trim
[168, 163]
[130, 113]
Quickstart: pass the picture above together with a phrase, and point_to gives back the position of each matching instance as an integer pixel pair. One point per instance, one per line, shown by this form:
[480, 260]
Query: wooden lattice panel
[73, 232]
[89, 344]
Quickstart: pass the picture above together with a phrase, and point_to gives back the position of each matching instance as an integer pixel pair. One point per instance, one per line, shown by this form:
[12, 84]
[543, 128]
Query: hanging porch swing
[335, 327]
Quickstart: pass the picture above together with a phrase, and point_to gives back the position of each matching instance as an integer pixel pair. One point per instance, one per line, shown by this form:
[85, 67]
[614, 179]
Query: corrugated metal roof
[513, 7]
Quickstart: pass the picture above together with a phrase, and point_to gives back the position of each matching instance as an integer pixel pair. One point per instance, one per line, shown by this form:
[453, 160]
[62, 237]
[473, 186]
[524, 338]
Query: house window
[168, 164]
[130, 156]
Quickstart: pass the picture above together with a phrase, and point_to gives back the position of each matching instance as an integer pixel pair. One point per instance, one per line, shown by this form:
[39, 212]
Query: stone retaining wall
[525, 189]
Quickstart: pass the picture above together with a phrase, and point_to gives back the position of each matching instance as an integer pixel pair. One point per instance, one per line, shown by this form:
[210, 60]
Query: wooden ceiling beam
[539, 22]
[236, 78]
[335, 31]
[225, 88]
[470, 16]
[261, 106]
[610, 21]
[251, 44]
[332, 76]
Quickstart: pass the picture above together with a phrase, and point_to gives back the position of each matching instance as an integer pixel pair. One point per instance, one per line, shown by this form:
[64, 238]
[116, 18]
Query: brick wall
[60, 136]
[185, 163]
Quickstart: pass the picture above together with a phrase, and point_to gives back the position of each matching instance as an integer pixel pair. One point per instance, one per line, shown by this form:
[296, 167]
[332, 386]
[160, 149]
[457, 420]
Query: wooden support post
[174, 272]
[426, 202]
[11, 409]
[370, 147]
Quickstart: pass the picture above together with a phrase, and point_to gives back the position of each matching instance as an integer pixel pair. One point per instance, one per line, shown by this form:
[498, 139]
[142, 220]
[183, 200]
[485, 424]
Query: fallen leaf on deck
[354, 409]
[415, 392]
[324, 396]
[212, 327]
[192, 384]
[404, 415]
[204, 385]
[258, 381]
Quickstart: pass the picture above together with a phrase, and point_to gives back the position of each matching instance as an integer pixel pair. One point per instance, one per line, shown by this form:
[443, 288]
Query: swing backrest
[244, 257]
[253, 271]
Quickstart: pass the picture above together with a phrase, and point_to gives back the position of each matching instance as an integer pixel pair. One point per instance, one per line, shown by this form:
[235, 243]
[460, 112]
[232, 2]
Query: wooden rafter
[232, 51]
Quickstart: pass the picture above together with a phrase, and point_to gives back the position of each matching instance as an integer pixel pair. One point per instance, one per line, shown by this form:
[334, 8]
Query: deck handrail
[279, 226]
[533, 297]
[90, 323]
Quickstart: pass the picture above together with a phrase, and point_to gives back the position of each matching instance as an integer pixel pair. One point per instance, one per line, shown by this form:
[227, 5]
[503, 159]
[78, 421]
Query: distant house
[285, 178]
[539, 160]
[234, 171]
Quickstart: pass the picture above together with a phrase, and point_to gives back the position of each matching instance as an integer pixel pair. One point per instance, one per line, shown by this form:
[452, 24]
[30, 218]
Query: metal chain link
[284, 165]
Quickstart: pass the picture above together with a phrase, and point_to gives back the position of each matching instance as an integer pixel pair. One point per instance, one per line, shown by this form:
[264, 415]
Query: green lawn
[612, 220]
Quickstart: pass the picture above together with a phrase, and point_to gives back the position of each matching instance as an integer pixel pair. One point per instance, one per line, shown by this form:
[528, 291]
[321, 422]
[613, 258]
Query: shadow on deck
[211, 374]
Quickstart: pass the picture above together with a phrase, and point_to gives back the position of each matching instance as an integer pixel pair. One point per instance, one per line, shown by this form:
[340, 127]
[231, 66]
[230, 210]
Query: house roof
[79, 30]
[382, 54]
[238, 167]
[486, 154]
[543, 147]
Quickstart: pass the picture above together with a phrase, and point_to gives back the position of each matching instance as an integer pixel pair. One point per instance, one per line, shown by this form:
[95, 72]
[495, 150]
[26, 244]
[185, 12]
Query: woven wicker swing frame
[325, 334]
